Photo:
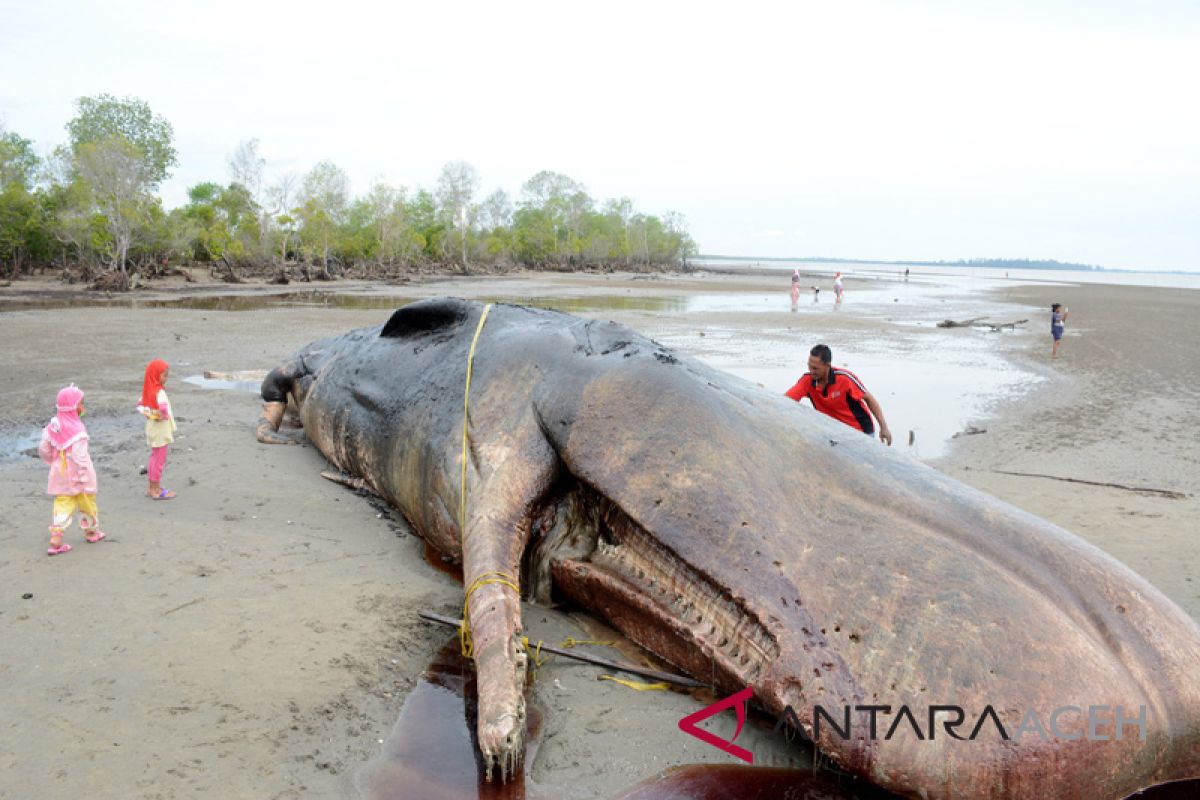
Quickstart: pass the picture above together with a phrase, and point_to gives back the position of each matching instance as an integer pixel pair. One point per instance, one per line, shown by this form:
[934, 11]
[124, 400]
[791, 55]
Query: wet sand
[257, 636]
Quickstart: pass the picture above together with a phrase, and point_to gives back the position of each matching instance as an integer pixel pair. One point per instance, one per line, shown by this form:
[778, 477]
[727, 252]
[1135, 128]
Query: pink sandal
[95, 536]
[63, 547]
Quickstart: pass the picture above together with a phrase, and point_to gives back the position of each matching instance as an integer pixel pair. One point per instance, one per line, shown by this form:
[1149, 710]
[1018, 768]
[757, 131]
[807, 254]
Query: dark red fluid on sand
[431, 752]
[434, 559]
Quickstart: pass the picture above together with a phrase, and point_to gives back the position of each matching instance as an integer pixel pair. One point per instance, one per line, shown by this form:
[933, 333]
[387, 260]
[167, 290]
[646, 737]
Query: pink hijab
[66, 428]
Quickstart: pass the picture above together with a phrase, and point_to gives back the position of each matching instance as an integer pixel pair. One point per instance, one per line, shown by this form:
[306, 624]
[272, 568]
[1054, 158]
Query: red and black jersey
[840, 398]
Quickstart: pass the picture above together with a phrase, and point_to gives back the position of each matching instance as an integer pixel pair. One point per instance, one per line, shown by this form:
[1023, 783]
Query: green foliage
[219, 222]
[120, 151]
[204, 193]
[104, 117]
[18, 162]
[18, 219]
[535, 236]
[97, 209]
[113, 181]
[22, 217]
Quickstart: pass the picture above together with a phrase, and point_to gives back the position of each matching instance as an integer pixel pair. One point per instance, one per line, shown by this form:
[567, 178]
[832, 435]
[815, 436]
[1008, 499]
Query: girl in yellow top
[160, 425]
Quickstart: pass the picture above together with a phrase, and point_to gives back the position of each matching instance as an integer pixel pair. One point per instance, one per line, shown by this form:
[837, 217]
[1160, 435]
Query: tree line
[90, 209]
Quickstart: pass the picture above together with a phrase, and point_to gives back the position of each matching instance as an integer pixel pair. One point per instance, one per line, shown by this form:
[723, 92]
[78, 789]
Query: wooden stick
[590, 659]
[1164, 492]
[995, 326]
[949, 323]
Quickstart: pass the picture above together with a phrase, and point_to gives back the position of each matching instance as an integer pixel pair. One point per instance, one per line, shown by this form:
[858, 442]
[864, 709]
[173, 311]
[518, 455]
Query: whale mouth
[592, 553]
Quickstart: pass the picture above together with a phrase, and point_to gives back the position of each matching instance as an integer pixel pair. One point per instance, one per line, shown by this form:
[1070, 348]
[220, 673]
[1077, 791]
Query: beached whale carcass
[753, 543]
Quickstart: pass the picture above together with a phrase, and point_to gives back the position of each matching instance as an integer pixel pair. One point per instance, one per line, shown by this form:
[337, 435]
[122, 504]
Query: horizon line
[982, 263]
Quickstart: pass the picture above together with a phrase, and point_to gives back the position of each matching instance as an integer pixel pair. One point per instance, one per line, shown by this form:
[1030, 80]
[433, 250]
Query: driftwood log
[238, 375]
[999, 326]
[970, 430]
[978, 322]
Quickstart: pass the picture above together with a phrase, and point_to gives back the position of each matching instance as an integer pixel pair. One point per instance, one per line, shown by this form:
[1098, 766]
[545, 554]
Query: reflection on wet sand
[17, 445]
[431, 752]
[317, 298]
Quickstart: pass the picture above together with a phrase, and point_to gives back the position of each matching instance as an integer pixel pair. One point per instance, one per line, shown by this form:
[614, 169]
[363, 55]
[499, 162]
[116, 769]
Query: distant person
[838, 289]
[795, 288]
[72, 481]
[1058, 324]
[160, 426]
[839, 393]
[906, 273]
[816, 293]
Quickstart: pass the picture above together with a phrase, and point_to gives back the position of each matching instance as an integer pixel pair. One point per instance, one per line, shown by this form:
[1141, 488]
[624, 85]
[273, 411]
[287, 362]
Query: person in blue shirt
[1058, 319]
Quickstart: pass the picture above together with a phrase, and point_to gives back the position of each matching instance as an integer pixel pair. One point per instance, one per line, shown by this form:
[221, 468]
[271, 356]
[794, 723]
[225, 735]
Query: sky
[876, 130]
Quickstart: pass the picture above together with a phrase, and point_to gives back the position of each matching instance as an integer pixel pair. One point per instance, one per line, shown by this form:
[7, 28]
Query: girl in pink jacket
[64, 447]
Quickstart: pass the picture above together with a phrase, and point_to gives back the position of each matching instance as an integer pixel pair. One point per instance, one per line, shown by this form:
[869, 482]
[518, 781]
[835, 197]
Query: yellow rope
[637, 685]
[571, 641]
[464, 632]
[462, 505]
[537, 651]
[466, 644]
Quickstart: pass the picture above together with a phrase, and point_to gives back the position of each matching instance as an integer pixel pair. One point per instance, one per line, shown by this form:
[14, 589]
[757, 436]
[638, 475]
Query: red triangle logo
[738, 703]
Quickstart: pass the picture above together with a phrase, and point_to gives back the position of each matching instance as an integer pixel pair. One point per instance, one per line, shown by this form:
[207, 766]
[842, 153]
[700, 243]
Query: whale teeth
[720, 625]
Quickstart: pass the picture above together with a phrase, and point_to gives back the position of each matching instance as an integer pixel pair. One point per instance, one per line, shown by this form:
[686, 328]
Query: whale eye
[426, 317]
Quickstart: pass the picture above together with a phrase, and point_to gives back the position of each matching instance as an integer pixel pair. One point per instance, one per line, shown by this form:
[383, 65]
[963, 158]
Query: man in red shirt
[840, 394]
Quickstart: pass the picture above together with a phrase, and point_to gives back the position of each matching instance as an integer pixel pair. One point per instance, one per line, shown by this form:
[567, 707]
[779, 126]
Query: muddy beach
[257, 636]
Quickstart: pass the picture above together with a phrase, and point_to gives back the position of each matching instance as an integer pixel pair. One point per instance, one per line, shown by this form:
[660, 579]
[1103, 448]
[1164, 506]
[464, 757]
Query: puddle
[431, 752]
[868, 300]
[965, 395]
[332, 299]
[13, 446]
[719, 781]
[922, 304]
[863, 300]
[256, 301]
[254, 387]
[614, 302]
[934, 397]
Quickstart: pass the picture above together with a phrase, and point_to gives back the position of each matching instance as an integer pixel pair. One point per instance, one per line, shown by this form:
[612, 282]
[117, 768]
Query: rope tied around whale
[462, 501]
[466, 644]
